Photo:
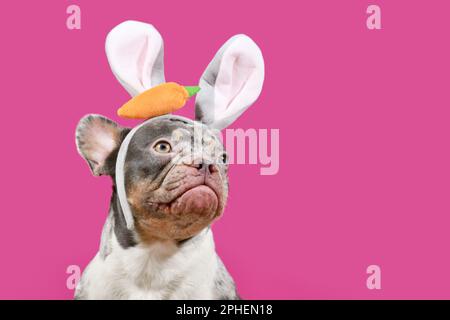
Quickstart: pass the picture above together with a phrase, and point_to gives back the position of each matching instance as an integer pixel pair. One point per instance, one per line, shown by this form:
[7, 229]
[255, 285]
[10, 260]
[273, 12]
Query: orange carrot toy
[159, 100]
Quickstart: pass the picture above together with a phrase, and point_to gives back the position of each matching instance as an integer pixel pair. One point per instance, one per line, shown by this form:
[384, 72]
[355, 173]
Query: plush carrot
[157, 101]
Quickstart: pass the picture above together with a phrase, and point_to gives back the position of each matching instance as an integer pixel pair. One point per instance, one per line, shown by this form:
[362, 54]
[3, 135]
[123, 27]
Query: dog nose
[205, 167]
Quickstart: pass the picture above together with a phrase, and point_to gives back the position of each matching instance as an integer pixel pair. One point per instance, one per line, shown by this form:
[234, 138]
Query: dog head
[175, 172]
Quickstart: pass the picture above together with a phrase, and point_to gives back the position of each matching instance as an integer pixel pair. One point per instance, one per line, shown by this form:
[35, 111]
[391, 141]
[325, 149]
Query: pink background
[364, 153]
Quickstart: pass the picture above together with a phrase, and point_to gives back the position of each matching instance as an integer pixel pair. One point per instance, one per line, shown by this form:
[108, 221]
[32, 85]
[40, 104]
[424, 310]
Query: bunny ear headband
[230, 84]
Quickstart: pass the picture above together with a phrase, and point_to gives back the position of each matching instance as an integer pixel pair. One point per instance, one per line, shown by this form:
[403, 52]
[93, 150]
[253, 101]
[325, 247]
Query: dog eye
[163, 147]
[224, 158]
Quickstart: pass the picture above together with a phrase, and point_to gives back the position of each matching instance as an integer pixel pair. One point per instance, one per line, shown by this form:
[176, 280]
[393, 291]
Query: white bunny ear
[135, 53]
[231, 83]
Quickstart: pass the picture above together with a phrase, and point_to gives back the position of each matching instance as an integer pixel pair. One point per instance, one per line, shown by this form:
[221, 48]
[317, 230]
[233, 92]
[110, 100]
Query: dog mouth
[200, 200]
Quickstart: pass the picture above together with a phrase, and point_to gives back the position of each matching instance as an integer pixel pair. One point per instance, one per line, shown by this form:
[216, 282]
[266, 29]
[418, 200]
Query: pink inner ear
[134, 50]
[239, 80]
[236, 70]
[102, 142]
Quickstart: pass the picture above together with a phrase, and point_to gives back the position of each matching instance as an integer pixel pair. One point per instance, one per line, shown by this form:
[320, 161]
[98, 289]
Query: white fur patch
[159, 271]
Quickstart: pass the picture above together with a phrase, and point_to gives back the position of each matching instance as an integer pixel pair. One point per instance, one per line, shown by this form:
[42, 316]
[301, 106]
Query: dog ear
[231, 83]
[98, 140]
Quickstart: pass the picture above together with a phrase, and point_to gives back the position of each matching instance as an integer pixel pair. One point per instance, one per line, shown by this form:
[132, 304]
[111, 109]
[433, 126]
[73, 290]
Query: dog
[169, 175]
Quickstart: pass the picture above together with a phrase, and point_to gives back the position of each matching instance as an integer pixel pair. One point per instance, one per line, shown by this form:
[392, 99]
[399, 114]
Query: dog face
[175, 172]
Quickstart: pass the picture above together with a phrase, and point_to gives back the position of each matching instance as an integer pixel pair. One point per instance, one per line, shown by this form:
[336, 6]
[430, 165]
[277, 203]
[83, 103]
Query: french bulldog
[169, 175]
